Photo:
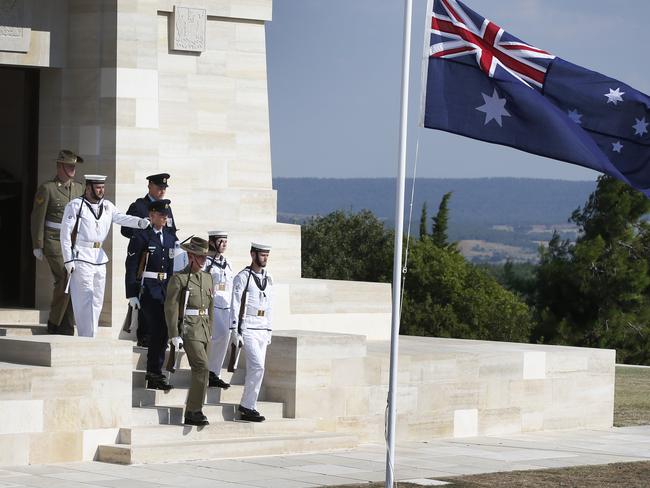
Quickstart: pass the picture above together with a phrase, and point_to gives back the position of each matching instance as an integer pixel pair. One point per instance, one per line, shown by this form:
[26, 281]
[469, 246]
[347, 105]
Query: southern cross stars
[575, 116]
[493, 108]
[617, 146]
[641, 127]
[614, 96]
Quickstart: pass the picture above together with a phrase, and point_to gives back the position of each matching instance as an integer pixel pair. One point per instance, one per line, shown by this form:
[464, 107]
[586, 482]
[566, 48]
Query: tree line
[593, 292]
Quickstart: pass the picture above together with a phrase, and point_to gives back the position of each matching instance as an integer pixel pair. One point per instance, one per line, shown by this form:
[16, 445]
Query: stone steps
[145, 397]
[182, 377]
[13, 316]
[156, 434]
[216, 412]
[17, 330]
[224, 448]
[58, 350]
[22, 322]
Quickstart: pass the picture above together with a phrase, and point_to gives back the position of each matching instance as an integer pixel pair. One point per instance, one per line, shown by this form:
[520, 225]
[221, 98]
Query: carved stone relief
[188, 29]
[14, 33]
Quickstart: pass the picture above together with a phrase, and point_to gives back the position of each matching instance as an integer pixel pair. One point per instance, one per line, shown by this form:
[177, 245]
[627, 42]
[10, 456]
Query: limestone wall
[32, 33]
[446, 387]
[61, 397]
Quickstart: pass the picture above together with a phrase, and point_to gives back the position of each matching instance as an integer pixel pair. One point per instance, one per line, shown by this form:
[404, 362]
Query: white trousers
[220, 339]
[87, 295]
[255, 342]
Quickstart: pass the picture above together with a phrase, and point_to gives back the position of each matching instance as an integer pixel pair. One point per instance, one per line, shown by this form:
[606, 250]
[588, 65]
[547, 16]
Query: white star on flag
[575, 116]
[614, 96]
[493, 108]
[617, 146]
[641, 127]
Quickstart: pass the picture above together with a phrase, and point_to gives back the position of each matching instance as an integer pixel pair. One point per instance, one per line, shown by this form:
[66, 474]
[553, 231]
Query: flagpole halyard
[397, 259]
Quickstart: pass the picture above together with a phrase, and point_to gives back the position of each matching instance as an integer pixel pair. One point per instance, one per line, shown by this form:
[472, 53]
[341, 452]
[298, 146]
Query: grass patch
[632, 397]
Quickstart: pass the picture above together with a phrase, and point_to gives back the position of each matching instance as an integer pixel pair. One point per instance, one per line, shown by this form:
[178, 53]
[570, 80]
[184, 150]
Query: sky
[334, 74]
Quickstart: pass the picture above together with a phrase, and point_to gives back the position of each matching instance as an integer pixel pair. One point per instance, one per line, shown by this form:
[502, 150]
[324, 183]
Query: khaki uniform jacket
[49, 203]
[194, 327]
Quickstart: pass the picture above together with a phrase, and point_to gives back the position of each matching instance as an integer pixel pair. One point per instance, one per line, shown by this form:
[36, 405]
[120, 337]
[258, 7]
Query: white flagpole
[397, 260]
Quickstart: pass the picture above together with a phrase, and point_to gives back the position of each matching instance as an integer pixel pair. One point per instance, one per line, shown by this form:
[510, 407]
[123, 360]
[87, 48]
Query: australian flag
[486, 84]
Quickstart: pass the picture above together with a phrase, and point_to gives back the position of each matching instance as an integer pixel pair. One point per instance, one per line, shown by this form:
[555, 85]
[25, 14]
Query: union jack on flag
[491, 45]
[572, 114]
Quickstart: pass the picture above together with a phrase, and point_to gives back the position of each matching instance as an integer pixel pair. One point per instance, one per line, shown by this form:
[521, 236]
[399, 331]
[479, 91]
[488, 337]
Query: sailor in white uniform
[251, 325]
[85, 225]
[222, 276]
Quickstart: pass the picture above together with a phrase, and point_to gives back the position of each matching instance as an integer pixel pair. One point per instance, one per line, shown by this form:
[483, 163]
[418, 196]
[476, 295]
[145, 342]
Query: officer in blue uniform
[140, 208]
[149, 265]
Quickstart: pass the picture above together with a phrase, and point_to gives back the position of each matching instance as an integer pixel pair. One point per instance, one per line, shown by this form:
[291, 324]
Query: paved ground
[415, 460]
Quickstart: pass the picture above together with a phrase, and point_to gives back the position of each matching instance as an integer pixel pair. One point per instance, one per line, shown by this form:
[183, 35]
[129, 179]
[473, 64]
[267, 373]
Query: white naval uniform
[89, 275]
[222, 276]
[255, 328]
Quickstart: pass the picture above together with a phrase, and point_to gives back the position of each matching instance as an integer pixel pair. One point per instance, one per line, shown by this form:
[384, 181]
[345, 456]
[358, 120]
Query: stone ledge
[53, 350]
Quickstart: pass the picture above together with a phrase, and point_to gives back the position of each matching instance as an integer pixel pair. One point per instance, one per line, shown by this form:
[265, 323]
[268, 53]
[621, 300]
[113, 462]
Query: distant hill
[519, 212]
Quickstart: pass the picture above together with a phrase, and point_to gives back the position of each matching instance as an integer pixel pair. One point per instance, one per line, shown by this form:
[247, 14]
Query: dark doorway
[18, 171]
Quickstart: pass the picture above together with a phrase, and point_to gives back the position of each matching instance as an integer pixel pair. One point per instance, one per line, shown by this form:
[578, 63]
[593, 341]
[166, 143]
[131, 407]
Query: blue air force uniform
[140, 208]
[159, 246]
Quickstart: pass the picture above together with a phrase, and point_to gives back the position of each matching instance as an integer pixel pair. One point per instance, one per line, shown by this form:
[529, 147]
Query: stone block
[534, 365]
[14, 449]
[435, 424]
[55, 447]
[503, 366]
[21, 416]
[357, 401]
[105, 412]
[500, 421]
[532, 421]
[494, 394]
[357, 371]
[15, 381]
[61, 414]
[530, 394]
[466, 422]
[61, 382]
[93, 438]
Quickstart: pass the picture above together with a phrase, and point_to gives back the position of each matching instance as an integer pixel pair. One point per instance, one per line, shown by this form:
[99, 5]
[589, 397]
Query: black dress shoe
[158, 382]
[250, 414]
[61, 330]
[196, 418]
[215, 381]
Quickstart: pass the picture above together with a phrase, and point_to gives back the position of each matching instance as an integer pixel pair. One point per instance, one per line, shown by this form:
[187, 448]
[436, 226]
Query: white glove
[177, 342]
[144, 223]
[38, 254]
[69, 267]
[235, 338]
[135, 303]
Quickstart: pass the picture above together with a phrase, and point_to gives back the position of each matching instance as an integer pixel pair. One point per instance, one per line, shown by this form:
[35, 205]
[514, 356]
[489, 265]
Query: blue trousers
[152, 316]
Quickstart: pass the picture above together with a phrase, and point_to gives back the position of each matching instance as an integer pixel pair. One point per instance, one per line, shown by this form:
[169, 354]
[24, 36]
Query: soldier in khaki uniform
[49, 202]
[189, 315]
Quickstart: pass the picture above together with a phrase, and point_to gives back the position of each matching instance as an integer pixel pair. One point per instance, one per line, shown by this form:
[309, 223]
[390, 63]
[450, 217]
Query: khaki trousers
[197, 355]
[60, 307]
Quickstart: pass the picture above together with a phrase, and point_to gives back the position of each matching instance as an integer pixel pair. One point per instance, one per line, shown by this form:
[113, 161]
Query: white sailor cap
[260, 247]
[95, 178]
[218, 233]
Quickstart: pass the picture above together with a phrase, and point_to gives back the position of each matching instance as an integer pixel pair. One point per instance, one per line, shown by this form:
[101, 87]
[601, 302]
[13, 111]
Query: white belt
[53, 225]
[255, 312]
[154, 275]
[95, 245]
[193, 312]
